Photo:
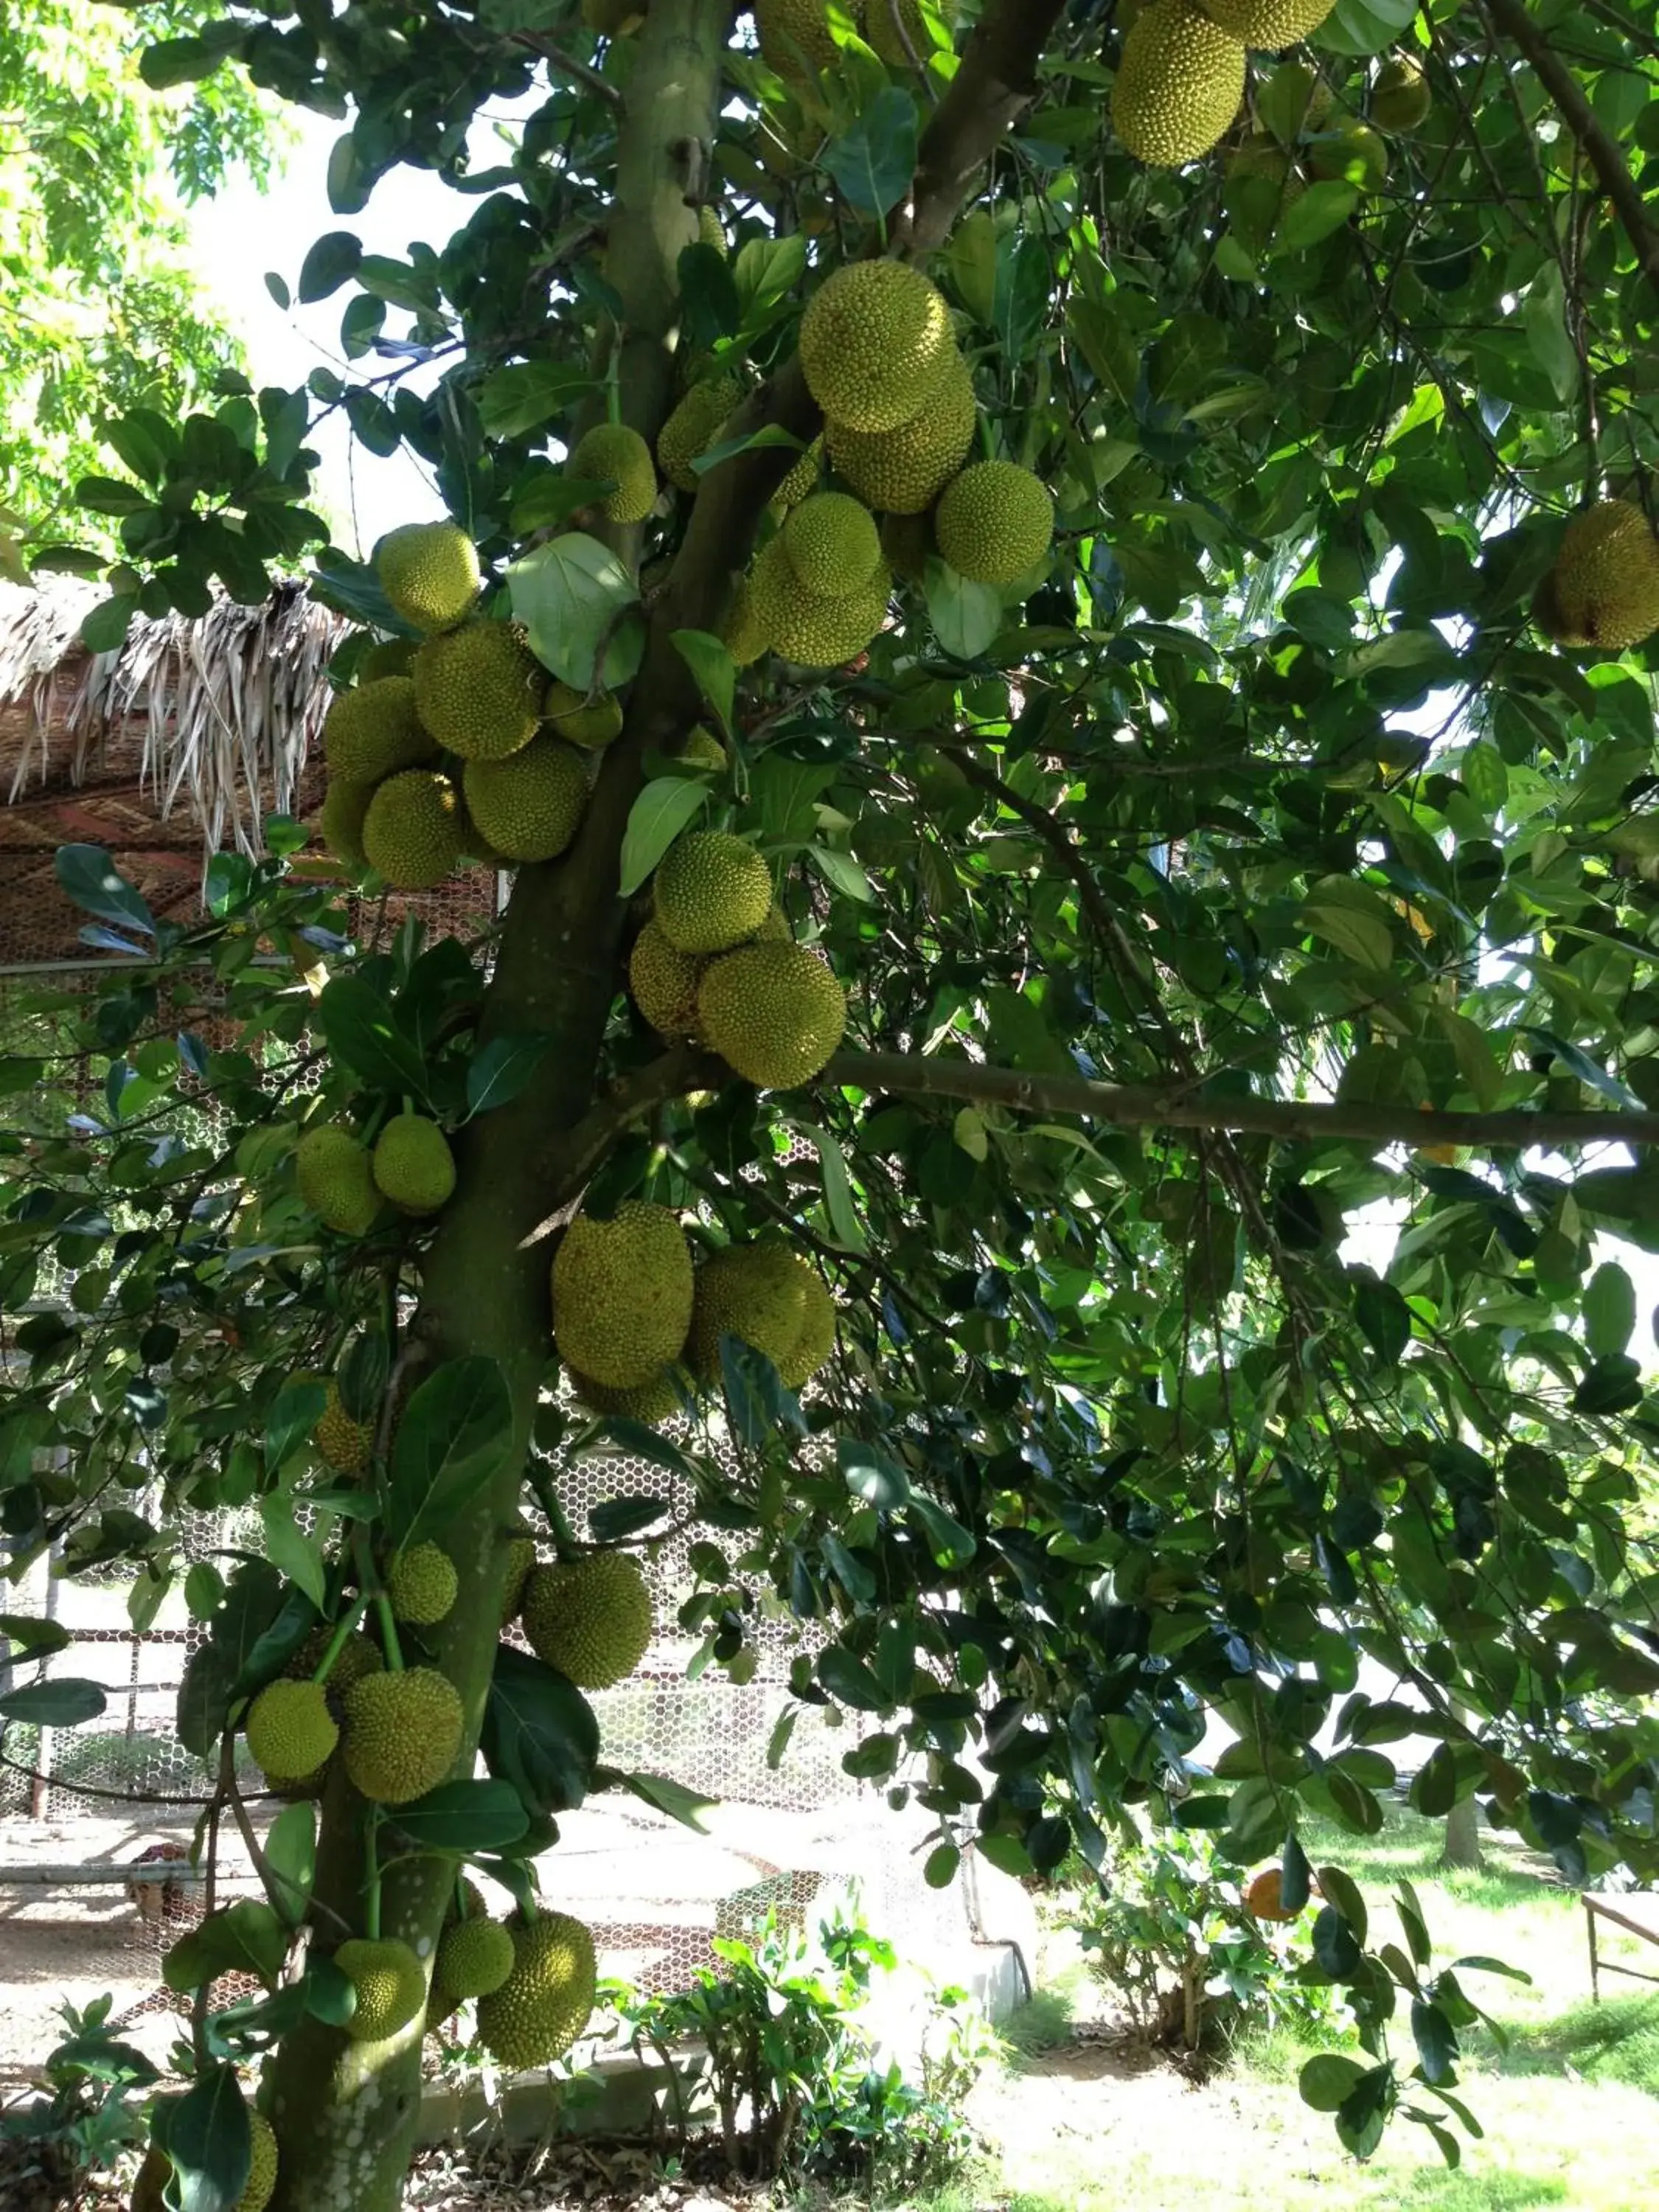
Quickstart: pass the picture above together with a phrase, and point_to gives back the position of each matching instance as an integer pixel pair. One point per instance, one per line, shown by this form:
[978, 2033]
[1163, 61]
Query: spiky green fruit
[375, 729]
[611, 453]
[529, 806]
[774, 1012]
[902, 471]
[579, 721]
[652, 1402]
[832, 545]
[387, 656]
[345, 808]
[429, 572]
[149, 2185]
[589, 1618]
[811, 631]
[702, 749]
[816, 1341]
[1180, 80]
[1260, 183]
[712, 891]
[907, 545]
[479, 689]
[336, 1180]
[414, 1166]
[709, 231]
[345, 1444]
[545, 2001]
[474, 1959]
[621, 1293]
[414, 832]
[794, 38]
[876, 345]
[389, 1983]
[1604, 587]
[742, 635]
[899, 47]
[694, 427]
[1354, 152]
[802, 479]
[291, 1730]
[995, 522]
[664, 982]
[1400, 98]
[756, 1292]
[357, 1656]
[422, 1583]
[520, 1559]
[1267, 24]
[402, 1733]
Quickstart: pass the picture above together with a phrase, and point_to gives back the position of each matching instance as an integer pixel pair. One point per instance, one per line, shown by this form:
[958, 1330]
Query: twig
[583, 73]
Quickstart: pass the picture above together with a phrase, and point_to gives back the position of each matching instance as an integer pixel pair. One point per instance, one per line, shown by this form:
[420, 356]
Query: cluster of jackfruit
[716, 962]
[796, 40]
[769, 1296]
[346, 1185]
[1181, 75]
[458, 749]
[151, 2183]
[1603, 589]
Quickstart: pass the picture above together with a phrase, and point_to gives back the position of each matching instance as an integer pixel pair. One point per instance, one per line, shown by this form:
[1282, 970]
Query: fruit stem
[372, 1875]
[348, 1621]
[373, 1589]
[613, 384]
[564, 1536]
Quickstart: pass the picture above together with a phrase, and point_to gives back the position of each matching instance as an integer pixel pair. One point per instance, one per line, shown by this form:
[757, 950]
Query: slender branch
[991, 89]
[583, 73]
[1149, 1106]
[573, 1154]
[1612, 171]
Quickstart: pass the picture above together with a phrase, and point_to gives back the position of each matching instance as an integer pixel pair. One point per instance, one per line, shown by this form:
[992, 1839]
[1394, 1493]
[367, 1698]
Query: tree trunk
[345, 2113]
[1462, 1847]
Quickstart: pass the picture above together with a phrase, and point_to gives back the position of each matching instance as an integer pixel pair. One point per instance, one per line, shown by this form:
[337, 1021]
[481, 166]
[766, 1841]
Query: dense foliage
[1254, 861]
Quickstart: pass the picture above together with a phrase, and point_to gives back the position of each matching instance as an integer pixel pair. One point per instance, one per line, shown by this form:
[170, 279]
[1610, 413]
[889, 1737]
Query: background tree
[1246, 858]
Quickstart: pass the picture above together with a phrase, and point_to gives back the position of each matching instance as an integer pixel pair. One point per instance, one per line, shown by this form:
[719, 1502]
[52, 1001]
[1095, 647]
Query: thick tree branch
[571, 1155]
[1142, 1106]
[1612, 170]
[991, 89]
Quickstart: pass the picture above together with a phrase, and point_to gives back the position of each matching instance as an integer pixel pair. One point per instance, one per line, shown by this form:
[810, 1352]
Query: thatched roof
[223, 711]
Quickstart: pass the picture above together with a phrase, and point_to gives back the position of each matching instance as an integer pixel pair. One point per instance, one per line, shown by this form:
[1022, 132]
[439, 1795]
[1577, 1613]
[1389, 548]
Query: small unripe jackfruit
[402, 1733]
[475, 1957]
[345, 808]
[652, 1402]
[1352, 151]
[664, 982]
[817, 1340]
[387, 656]
[995, 522]
[291, 1730]
[429, 572]
[1604, 588]
[422, 1583]
[712, 892]
[811, 631]
[876, 345]
[882, 31]
[414, 831]
[1179, 83]
[1267, 24]
[694, 427]
[480, 690]
[529, 806]
[795, 39]
[414, 1166]
[622, 1294]
[902, 471]
[611, 451]
[520, 1559]
[344, 1443]
[1400, 98]
[589, 1618]
[756, 1292]
[374, 731]
[335, 1179]
[774, 1012]
[832, 545]
[544, 2003]
[390, 1984]
[589, 723]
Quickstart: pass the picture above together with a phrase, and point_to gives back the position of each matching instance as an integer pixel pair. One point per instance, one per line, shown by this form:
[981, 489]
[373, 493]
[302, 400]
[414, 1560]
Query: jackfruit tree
[1048, 614]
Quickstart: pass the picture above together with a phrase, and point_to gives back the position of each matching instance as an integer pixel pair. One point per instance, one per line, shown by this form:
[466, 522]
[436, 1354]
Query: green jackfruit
[475, 1957]
[611, 453]
[832, 545]
[742, 634]
[876, 345]
[387, 656]
[774, 1012]
[754, 1292]
[794, 37]
[802, 479]
[652, 1402]
[345, 807]
[414, 831]
[712, 892]
[1260, 183]
[1604, 587]
[589, 1618]
[1400, 98]
[479, 689]
[345, 1444]
[422, 1583]
[702, 749]
[810, 631]
[544, 2003]
[374, 730]
[291, 1730]
[520, 1559]
[816, 1343]
[882, 19]
[429, 572]
[528, 807]
[995, 522]
[1267, 24]
[357, 1656]
[402, 1733]
[1352, 151]
[149, 2185]
[1179, 84]
[694, 427]
[664, 982]
[709, 231]
[622, 1294]
[902, 471]
[390, 1984]
[414, 1166]
[336, 1180]
[589, 723]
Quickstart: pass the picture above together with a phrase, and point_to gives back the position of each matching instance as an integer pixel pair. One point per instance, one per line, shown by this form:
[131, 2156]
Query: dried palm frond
[39, 630]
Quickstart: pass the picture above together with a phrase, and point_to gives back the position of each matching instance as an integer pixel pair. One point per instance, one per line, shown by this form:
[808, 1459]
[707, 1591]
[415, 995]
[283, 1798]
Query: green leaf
[1314, 214]
[539, 1733]
[244, 1938]
[1364, 26]
[715, 671]
[211, 2143]
[873, 162]
[1326, 2081]
[464, 1816]
[291, 1551]
[1384, 1319]
[333, 261]
[871, 1475]
[39, 1638]
[1544, 316]
[454, 1434]
[844, 1223]
[63, 1703]
[169, 62]
[291, 1859]
[520, 399]
[295, 1412]
[1434, 1786]
[498, 1074]
[681, 1804]
[362, 1031]
[849, 1681]
[665, 806]
[614, 1519]
[1436, 2045]
[843, 873]
[950, 1544]
[938, 1869]
[576, 600]
[1609, 1309]
[86, 875]
[1351, 917]
[967, 618]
